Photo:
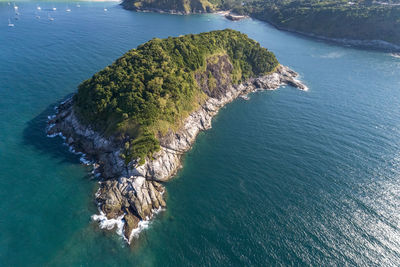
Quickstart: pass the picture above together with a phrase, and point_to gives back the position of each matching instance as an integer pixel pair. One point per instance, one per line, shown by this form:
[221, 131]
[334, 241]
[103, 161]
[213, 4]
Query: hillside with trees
[339, 19]
[151, 89]
[357, 20]
[173, 6]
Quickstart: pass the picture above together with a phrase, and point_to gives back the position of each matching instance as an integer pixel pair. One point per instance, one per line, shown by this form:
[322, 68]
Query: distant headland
[371, 24]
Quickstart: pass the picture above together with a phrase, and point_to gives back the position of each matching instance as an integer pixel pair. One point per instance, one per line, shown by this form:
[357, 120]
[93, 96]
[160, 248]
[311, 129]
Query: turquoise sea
[286, 178]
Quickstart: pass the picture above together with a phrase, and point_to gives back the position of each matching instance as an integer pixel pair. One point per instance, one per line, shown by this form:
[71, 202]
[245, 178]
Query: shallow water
[288, 177]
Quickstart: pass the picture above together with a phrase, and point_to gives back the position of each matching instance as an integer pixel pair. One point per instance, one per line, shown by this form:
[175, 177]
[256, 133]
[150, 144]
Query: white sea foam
[94, 171]
[299, 79]
[95, 166]
[65, 101]
[110, 224]
[97, 194]
[395, 55]
[305, 86]
[156, 211]
[84, 160]
[245, 97]
[55, 134]
[142, 225]
[50, 126]
[119, 224]
[101, 218]
[72, 150]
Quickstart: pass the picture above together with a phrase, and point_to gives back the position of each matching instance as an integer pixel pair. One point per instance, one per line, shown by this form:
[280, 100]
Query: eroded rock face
[131, 223]
[216, 80]
[135, 192]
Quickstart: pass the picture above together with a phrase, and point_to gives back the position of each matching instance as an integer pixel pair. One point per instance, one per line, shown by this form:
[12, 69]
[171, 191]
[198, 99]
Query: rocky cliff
[130, 194]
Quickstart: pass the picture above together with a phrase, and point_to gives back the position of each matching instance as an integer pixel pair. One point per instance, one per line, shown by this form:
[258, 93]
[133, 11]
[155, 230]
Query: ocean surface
[286, 178]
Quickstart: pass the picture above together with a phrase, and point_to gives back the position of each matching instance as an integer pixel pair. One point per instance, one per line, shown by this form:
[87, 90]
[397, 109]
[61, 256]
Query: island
[364, 23]
[137, 117]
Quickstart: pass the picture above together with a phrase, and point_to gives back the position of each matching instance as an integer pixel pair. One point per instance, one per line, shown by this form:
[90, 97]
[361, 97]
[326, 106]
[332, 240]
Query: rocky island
[137, 117]
[361, 23]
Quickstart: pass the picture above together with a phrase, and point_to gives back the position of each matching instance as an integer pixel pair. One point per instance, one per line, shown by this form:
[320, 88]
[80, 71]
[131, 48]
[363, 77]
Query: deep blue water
[286, 178]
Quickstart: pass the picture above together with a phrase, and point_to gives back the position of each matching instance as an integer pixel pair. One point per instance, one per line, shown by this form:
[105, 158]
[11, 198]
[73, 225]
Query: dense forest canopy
[152, 88]
[350, 19]
[184, 6]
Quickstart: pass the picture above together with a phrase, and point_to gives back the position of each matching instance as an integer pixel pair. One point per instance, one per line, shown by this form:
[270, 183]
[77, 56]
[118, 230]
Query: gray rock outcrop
[136, 192]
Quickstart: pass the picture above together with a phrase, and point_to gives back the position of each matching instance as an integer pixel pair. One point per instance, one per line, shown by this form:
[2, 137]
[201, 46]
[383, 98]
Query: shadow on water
[35, 135]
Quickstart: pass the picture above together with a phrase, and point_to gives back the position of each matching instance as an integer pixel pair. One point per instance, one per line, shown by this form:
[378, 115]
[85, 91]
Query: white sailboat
[38, 8]
[49, 17]
[78, 5]
[10, 24]
[68, 9]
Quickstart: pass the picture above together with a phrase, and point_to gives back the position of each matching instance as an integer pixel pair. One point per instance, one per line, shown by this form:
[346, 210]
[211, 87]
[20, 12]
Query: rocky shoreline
[364, 44]
[130, 195]
[227, 14]
[234, 17]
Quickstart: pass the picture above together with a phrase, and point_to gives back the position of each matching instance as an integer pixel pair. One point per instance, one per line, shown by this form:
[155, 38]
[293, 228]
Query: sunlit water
[288, 177]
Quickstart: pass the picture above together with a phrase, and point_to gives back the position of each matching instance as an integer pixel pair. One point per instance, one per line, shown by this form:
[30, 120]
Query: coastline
[363, 44]
[130, 195]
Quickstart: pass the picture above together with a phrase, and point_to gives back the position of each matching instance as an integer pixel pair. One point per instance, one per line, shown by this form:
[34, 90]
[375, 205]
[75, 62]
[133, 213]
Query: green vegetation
[349, 19]
[184, 6]
[152, 89]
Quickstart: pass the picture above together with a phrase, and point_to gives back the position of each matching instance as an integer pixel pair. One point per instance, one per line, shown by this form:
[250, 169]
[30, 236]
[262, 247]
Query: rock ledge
[129, 194]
